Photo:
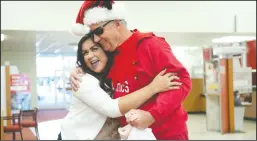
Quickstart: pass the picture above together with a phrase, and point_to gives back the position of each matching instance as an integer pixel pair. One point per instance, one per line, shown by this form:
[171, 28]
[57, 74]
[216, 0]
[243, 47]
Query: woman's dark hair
[105, 83]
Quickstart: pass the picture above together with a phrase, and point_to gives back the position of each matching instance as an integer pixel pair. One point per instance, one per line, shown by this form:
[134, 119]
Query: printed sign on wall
[20, 83]
[20, 92]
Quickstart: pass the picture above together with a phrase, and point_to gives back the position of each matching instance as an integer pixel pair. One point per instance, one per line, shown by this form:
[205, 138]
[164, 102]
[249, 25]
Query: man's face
[107, 34]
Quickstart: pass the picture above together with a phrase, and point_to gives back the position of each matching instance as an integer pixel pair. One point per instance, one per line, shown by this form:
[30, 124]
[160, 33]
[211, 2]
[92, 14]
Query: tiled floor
[197, 130]
[49, 128]
[196, 125]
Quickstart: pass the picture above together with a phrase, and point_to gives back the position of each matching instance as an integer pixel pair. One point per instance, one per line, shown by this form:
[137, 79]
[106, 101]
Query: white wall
[38, 15]
[192, 59]
[158, 16]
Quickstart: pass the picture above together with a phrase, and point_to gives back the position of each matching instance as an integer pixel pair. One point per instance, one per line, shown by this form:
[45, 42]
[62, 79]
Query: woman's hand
[75, 78]
[164, 82]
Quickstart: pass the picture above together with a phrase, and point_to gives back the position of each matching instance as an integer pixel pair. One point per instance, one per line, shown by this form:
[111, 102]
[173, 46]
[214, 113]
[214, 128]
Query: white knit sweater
[89, 110]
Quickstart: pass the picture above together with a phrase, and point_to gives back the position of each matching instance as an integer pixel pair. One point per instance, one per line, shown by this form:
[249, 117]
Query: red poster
[251, 54]
[207, 54]
[20, 83]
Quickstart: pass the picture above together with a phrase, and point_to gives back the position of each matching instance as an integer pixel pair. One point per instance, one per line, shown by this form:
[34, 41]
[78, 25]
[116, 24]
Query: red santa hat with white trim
[92, 12]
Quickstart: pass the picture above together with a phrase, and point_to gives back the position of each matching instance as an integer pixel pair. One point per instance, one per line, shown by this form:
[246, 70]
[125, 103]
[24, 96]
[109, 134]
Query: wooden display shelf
[195, 102]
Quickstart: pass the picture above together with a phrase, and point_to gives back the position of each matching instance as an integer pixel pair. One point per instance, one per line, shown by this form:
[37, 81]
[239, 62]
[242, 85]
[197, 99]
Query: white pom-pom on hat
[79, 29]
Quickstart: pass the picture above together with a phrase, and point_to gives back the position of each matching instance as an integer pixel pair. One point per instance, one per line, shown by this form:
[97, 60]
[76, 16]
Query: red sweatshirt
[138, 61]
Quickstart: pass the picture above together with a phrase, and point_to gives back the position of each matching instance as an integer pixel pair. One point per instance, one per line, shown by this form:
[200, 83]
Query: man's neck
[124, 36]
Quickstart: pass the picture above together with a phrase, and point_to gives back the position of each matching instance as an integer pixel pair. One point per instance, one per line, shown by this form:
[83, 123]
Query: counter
[250, 112]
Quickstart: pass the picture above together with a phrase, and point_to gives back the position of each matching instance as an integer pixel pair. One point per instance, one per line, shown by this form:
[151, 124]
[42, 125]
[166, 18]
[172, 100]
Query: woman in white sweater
[92, 104]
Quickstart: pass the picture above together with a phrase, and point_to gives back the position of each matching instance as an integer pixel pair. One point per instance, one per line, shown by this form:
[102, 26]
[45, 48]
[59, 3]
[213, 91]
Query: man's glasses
[99, 30]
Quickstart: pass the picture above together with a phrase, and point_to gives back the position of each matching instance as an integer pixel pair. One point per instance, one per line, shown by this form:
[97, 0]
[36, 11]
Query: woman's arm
[91, 94]
[95, 97]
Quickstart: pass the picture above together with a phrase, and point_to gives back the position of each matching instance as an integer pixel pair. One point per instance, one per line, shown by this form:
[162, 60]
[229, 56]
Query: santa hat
[92, 12]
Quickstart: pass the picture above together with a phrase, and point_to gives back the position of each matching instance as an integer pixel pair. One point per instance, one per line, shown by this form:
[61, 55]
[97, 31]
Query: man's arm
[159, 53]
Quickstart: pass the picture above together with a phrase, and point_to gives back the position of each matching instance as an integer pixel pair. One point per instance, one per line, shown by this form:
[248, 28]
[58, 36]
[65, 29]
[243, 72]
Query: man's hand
[75, 79]
[139, 118]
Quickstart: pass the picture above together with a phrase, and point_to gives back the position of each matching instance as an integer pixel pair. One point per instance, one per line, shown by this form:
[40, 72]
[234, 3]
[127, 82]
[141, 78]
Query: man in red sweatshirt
[139, 57]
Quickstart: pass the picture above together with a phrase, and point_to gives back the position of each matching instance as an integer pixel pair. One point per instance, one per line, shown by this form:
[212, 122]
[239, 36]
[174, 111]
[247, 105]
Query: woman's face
[94, 56]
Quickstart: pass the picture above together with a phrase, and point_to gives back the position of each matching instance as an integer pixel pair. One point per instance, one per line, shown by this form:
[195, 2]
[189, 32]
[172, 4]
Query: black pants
[59, 136]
